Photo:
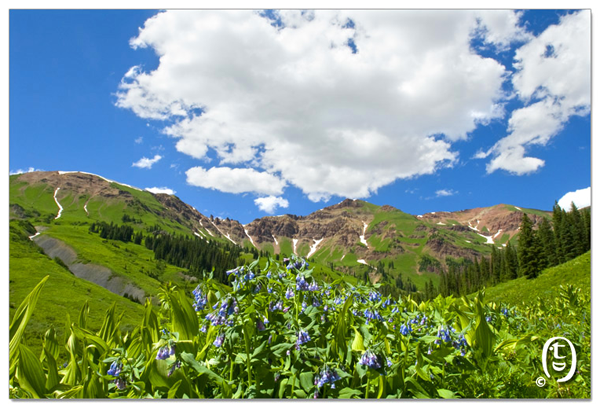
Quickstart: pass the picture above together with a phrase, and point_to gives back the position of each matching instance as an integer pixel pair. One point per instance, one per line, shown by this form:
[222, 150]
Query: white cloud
[553, 79]
[139, 140]
[298, 102]
[581, 198]
[160, 190]
[20, 171]
[145, 163]
[229, 180]
[445, 193]
[269, 204]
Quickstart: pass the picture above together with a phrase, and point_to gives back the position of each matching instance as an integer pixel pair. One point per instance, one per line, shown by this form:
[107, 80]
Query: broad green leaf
[357, 344]
[20, 320]
[173, 390]
[347, 393]
[446, 394]
[30, 373]
[306, 381]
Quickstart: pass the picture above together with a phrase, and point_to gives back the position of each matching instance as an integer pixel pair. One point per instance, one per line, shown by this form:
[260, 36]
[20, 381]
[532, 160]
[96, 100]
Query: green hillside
[523, 291]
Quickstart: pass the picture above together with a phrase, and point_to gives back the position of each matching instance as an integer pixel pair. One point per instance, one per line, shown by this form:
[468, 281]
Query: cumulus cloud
[139, 140]
[160, 190]
[335, 102]
[145, 163]
[445, 193]
[21, 171]
[553, 80]
[234, 180]
[269, 204]
[582, 198]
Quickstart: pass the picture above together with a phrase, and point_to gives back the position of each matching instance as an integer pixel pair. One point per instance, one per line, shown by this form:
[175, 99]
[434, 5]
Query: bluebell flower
[370, 360]
[303, 337]
[219, 340]
[121, 383]
[289, 293]
[326, 376]
[374, 296]
[115, 369]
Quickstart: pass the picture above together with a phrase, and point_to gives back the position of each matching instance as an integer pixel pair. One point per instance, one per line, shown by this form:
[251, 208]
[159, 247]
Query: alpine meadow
[300, 204]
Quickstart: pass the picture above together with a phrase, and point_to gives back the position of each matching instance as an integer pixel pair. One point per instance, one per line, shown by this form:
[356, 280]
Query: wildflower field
[276, 332]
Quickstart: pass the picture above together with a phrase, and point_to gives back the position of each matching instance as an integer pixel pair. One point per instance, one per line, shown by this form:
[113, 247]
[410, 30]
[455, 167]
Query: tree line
[552, 243]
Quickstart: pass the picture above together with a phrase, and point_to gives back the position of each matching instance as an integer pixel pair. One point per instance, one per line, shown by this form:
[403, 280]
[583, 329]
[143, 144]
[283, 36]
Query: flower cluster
[370, 360]
[165, 352]
[200, 299]
[406, 329]
[374, 296]
[327, 376]
[372, 314]
[219, 340]
[444, 334]
[115, 369]
[226, 308]
[303, 337]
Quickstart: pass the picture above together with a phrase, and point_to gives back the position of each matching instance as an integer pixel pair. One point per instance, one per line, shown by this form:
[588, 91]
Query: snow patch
[467, 241]
[295, 241]
[85, 207]
[362, 237]
[313, 248]
[497, 233]
[251, 240]
[440, 223]
[57, 203]
[343, 256]
[229, 238]
[489, 239]
[419, 216]
[103, 178]
[503, 245]
[517, 208]
[198, 235]
[33, 236]
[275, 239]
[362, 261]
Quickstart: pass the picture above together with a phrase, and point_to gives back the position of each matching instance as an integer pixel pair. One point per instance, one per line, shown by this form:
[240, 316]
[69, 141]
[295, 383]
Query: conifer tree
[529, 249]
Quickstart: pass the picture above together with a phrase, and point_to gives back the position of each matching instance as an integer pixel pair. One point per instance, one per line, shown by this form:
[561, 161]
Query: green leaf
[30, 373]
[173, 391]
[306, 381]
[446, 394]
[191, 361]
[357, 344]
[52, 379]
[347, 393]
[183, 316]
[20, 320]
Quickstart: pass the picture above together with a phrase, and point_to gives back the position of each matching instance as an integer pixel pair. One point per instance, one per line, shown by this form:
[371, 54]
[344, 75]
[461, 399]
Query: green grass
[576, 272]
[131, 261]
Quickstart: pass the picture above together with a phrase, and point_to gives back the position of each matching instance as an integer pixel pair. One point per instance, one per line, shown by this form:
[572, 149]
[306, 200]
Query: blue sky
[246, 112]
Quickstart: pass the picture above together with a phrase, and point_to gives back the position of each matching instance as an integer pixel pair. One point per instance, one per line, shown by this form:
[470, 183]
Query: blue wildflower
[115, 369]
[327, 376]
[219, 340]
[370, 360]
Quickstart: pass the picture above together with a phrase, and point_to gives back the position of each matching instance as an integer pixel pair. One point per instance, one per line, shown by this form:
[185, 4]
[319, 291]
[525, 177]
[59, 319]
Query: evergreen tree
[548, 241]
[529, 249]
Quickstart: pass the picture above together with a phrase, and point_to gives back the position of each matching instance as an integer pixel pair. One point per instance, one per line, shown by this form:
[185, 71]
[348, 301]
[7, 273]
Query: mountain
[346, 236]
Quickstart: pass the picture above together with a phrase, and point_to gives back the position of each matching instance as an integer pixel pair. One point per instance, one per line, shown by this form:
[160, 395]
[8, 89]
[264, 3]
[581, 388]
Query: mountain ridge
[347, 234]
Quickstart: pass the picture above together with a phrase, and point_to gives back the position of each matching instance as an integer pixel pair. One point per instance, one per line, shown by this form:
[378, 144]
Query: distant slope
[576, 272]
[63, 293]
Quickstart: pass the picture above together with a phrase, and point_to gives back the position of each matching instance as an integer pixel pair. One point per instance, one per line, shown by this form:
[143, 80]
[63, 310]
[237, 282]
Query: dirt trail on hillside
[98, 274]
